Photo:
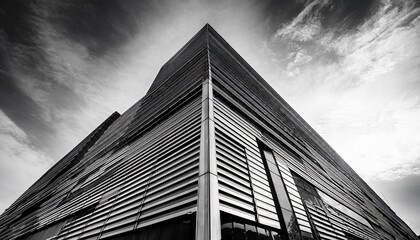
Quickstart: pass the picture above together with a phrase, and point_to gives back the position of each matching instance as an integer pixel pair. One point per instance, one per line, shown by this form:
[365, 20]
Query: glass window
[167, 232]
[176, 229]
[263, 234]
[275, 235]
[183, 230]
[238, 231]
[281, 193]
[269, 156]
[273, 168]
[236, 228]
[251, 232]
[154, 233]
[340, 207]
[307, 191]
[291, 224]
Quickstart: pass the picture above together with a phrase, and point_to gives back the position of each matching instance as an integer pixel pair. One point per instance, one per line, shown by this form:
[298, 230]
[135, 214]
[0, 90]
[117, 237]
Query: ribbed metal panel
[186, 55]
[176, 81]
[307, 154]
[293, 194]
[234, 181]
[152, 180]
[31, 211]
[244, 188]
[112, 137]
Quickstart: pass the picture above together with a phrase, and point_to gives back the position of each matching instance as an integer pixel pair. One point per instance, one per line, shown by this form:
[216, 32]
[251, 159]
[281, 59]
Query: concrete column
[208, 213]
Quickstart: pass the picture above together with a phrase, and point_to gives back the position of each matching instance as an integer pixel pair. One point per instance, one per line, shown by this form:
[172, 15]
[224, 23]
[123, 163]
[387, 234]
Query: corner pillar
[208, 213]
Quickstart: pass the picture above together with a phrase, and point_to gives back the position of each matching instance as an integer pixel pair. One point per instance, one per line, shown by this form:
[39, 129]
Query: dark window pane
[238, 231]
[263, 234]
[142, 235]
[275, 235]
[182, 230]
[291, 224]
[167, 232]
[226, 226]
[227, 231]
[237, 225]
[251, 232]
[154, 233]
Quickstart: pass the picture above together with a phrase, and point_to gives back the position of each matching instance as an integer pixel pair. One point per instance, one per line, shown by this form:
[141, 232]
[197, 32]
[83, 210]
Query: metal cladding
[210, 152]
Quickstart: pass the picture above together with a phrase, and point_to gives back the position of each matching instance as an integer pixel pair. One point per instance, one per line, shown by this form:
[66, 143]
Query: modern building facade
[210, 152]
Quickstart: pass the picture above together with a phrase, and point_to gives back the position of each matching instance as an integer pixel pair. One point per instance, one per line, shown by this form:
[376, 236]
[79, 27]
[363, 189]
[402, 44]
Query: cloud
[403, 196]
[373, 128]
[305, 25]
[58, 83]
[20, 163]
[360, 88]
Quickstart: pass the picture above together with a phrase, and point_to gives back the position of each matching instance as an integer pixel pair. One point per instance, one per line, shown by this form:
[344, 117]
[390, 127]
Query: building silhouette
[210, 152]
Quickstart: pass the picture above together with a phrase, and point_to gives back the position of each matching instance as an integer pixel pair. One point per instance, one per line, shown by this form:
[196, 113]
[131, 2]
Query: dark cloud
[99, 25]
[15, 21]
[24, 64]
[281, 12]
[344, 16]
[18, 35]
[24, 111]
[14, 102]
[341, 15]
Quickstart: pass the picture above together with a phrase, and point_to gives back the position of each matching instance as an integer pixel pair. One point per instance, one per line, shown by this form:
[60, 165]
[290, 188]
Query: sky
[351, 69]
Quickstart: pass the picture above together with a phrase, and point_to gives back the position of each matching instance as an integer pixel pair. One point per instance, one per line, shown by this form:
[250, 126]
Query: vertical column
[208, 213]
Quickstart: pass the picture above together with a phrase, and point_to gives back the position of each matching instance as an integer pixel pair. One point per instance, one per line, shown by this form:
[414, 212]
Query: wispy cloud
[21, 163]
[306, 25]
[362, 85]
[65, 66]
[60, 82]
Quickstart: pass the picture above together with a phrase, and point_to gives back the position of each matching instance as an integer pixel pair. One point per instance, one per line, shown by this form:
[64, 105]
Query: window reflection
[281, 193]
[251, 232]
[332, 205]
[308, 192]
[269, 156]
[176, 229]
[238, 230]
[263, 234]
[235, 228]
[226, 226]
[275, 235]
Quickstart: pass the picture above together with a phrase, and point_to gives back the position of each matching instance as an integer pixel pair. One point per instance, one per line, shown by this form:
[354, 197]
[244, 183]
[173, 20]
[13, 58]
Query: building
[210, 152]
